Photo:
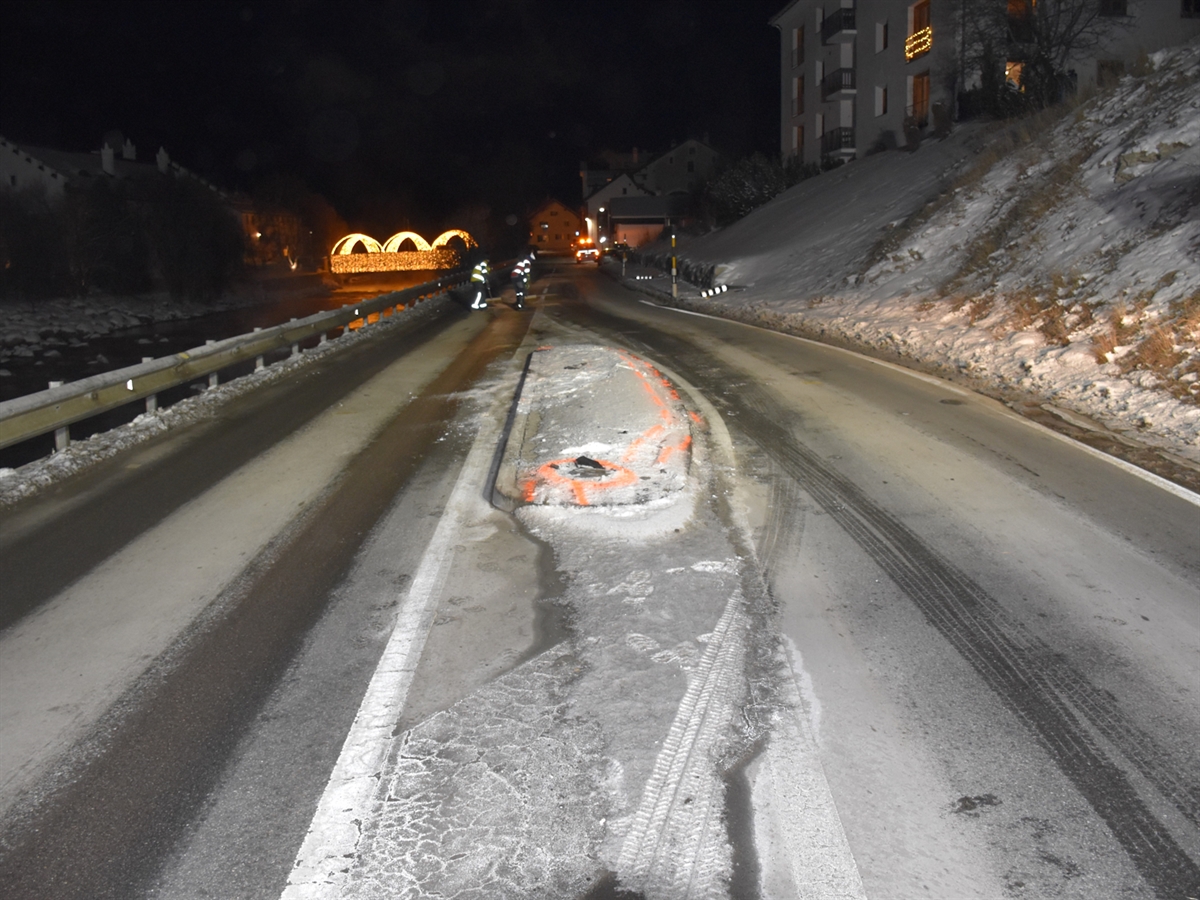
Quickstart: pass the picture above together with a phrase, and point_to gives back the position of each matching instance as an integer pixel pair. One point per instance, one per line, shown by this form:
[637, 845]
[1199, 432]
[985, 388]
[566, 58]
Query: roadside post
[674, 279]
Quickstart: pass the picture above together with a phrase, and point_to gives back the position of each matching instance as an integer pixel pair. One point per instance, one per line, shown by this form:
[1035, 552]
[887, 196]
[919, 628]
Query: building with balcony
[858, 76]
[668, 175]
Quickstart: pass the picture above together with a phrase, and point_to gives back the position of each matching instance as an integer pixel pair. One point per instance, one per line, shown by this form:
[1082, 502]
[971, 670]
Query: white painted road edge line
[322, 866]
[803, 850]
[1157, 480]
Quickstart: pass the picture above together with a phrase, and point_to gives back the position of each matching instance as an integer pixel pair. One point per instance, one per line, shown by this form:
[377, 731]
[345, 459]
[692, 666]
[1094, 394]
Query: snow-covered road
[864, 634]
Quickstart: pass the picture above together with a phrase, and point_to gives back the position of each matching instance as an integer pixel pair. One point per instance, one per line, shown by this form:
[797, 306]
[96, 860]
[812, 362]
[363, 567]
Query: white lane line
[689, 312]
[322, 867]
[798, 833]
[1157, 480]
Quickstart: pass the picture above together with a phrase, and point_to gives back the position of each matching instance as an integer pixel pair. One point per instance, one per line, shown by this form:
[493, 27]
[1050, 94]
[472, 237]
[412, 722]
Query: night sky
[402, 113]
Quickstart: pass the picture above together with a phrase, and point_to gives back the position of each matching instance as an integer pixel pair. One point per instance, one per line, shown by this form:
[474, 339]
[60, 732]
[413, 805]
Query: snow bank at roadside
[1057, 257]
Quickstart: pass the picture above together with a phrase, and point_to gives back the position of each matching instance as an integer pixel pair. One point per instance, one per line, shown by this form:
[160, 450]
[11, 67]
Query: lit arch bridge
[357, 253]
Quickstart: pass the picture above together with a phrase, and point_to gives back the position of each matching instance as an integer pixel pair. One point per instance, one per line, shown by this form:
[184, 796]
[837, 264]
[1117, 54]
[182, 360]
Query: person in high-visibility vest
[519, 279]
[479, 278]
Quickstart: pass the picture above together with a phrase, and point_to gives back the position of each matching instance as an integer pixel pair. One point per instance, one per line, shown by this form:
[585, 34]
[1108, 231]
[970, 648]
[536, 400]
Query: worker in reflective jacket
[479, 281]
[520, 277]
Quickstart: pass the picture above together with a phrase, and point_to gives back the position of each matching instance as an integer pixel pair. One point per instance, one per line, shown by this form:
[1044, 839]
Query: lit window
[1012, 75]
[920, 32]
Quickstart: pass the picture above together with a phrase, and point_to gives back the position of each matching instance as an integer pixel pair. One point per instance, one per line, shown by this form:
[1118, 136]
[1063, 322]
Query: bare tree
[1043, 37]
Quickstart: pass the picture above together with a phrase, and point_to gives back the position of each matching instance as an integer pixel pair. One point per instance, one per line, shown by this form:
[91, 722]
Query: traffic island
[595, 427]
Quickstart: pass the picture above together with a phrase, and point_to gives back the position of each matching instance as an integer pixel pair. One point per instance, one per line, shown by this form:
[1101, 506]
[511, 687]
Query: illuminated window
[1012, 75]
[1020, 20]
[920, 31]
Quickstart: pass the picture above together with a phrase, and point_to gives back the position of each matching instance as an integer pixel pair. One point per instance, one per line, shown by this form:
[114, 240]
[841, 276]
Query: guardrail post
[62, 436]
[258, 360]
[212, 378]
[152, 400]
[295, 344]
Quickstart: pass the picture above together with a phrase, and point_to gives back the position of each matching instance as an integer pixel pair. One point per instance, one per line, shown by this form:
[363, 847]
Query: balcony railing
[918, 43]
[837, 140]
[839, 23]
[837, 80]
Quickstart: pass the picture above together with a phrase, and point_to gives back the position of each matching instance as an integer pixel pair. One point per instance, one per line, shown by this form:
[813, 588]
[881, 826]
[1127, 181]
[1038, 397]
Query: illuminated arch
[392, 244]
[346, 245]
[444, 237]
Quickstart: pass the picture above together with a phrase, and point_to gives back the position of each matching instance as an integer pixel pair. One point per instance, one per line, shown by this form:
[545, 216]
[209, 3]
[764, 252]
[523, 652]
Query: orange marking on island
[674, 448]
[550, 474]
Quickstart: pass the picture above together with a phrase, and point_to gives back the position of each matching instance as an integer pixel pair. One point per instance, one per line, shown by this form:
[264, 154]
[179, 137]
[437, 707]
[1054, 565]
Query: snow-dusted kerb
[35, 414]
[594, 426]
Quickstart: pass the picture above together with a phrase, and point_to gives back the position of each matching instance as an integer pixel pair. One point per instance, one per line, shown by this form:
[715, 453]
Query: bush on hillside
[749, 182]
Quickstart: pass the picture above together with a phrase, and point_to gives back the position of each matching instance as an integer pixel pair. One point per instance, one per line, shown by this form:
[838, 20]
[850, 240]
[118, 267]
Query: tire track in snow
[676, 847]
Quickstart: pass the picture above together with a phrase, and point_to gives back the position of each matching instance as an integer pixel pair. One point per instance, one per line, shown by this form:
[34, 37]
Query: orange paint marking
[548, 473]
[674, 448]
[696, 417]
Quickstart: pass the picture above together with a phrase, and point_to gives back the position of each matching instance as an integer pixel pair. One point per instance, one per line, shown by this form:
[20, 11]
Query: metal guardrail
[32, 415]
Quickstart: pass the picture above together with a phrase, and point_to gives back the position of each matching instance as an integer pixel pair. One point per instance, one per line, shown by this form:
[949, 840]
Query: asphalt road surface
[967, 667]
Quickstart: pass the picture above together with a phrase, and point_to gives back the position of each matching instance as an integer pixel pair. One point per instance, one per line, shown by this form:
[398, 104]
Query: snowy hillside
[1056, 257]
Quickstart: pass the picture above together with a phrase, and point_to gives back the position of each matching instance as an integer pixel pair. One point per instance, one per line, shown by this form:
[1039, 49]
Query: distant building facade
[554, 227]
[858, 76]
[648, 194]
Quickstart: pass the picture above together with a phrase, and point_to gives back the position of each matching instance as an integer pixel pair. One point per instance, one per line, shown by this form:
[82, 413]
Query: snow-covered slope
[1058, 256]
